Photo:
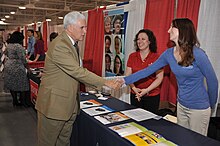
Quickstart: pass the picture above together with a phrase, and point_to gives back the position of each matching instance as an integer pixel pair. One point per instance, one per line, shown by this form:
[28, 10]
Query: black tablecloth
[87, 131]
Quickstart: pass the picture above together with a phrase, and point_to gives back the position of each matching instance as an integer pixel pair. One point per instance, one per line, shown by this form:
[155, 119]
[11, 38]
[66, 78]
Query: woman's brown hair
[187, 39]
[39, 35]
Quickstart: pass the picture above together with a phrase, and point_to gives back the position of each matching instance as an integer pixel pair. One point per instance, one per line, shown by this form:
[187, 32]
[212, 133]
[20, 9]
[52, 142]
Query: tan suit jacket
[58, 92]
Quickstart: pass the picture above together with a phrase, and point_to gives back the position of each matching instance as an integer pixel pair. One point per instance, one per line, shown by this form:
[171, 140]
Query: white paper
[139, 114]
[103, 98]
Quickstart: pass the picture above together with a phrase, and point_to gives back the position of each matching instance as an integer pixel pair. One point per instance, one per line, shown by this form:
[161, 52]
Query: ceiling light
[48, 19]
[22, 7]
[2, 23]
[12, 12]
[3, 19]
[60, 17]
[7, 16]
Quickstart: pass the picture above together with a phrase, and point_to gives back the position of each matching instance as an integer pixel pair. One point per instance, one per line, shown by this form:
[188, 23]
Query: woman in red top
[145, 93]
[39, 52]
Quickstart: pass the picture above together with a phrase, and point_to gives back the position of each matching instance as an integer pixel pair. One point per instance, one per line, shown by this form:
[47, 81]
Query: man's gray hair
[72, 18]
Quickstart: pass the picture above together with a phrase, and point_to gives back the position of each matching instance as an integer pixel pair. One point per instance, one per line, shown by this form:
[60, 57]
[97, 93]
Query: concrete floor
[17, 124]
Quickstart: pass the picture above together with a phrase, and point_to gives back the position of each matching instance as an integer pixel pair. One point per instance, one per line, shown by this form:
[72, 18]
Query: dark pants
[32, 57]
[149, 103]
[24, 98]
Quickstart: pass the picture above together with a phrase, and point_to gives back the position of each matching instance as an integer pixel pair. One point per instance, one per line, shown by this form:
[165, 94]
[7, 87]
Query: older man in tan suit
[58, 99]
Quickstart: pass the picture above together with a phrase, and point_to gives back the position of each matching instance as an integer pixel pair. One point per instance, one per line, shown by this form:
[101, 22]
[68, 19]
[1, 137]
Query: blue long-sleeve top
[192, 92]
[31, 42]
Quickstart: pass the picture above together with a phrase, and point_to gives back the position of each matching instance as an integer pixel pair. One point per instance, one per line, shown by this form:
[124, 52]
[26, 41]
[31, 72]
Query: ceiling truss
[39, 10]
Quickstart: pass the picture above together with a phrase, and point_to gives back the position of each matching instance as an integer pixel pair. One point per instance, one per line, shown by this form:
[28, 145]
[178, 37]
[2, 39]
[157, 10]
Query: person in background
[191, 66]
[145, 93]
[39, 52]
[53, 35]
[108, 66]
[8, 37]
[117, 24]
[107, 44]
[15, 76]
[107, 23]
[58, 100]
[108, 63]
[2, 43]
[118, 70]
[31, 42]
[118, 47]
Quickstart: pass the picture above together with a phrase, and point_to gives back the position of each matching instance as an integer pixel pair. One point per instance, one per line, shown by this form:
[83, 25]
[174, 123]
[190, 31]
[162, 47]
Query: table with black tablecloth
[34, 80]
[87, 131]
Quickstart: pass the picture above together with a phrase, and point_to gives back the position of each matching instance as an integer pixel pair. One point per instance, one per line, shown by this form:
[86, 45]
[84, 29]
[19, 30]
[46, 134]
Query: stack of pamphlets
[111, 117]
[170, 118]
[140, 136]
[93, 107]
[89, 103]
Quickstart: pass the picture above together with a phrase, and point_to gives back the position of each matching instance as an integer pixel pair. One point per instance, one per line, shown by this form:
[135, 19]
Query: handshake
[115, 83]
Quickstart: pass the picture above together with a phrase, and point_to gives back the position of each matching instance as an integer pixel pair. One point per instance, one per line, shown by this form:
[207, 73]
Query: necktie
[77, 48]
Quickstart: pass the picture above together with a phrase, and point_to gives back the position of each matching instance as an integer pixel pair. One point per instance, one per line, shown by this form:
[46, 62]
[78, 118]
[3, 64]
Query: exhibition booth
[135, 15]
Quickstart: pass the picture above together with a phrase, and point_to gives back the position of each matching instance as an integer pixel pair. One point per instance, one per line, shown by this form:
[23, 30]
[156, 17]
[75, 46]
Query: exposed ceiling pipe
[37, 8]
[20, 14]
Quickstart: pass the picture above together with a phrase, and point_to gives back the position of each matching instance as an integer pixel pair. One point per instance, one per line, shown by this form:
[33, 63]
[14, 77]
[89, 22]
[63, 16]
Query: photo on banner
[114, 42]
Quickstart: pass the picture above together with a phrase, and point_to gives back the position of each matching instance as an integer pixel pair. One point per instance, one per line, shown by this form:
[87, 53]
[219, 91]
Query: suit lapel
[68, 42]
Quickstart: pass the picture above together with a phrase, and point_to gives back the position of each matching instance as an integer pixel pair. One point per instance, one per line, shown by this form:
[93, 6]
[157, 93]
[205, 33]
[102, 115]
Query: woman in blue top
[191, 65]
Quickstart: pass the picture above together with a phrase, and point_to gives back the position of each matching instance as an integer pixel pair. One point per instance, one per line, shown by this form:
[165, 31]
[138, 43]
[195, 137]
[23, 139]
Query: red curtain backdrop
[18, 29]
[158, 17]
[188, 9]
[93, 54]
[35, 26]
[45, 35]
[26, 37]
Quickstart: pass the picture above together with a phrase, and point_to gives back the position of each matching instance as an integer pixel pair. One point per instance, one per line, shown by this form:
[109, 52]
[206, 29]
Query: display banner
[114, 28]
[34, 91]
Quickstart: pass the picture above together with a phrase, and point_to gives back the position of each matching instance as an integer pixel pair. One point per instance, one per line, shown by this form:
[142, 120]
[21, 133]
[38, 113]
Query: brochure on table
[139, 135]
[93, 111]
[89, 103]
[111, 117]
[128, 129]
